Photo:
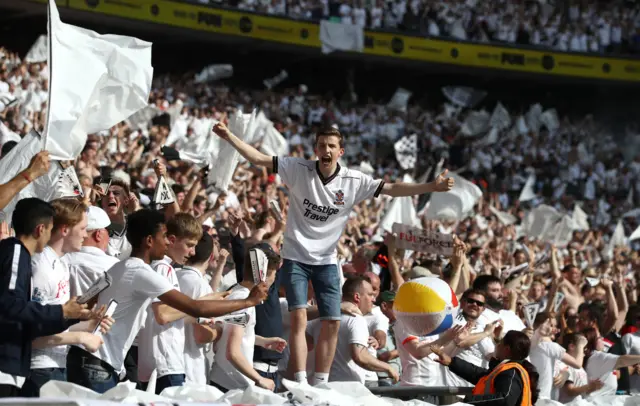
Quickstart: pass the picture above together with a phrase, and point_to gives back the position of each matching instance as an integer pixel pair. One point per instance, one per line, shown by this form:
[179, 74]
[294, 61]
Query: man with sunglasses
[478, 346]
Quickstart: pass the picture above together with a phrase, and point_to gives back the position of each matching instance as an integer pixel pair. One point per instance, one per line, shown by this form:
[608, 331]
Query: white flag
[527, 192]
[635, 235]
[273, 143]
[617, 238]
[17, 160]
[39, 51]
[550, 119]
[530, 313]
[401, 211]
[463, 96]
[500, 117]
[227, 158]
[455, 204]
[97, 81]
[533, 117]
[476, 123]
[407, 151]
[580, 218]
[557, 301]
[214, 72]
[505, 218]
[399, 100]
[276, 80]
[163, 193]
[68, 184]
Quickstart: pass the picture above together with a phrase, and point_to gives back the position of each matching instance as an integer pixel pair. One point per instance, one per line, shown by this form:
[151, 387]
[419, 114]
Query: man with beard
[494, 308]
[476, 346]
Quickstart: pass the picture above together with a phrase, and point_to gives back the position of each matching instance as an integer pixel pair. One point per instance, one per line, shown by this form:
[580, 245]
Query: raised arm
[247, 151]
[441, 184]
[38, 166]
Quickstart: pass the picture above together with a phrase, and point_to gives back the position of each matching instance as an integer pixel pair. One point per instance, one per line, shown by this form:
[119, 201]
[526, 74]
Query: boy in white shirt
[51, 287]
[233, 366]
[322, 195]
[353, 359]
[135, 285]
[161, 341]
[193, 283]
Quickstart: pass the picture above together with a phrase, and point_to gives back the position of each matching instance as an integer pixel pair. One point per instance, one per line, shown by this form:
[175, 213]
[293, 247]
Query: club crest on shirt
[339, 198]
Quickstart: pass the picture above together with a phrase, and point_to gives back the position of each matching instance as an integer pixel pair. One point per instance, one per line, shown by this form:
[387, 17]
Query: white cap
[97, 219]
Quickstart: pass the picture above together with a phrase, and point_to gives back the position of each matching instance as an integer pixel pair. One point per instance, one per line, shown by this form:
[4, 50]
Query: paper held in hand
[416, 239]
[259, 264]
[530, 313]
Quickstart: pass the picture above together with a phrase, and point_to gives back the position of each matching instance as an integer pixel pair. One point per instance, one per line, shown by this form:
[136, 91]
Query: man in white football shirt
[89, 264]
[198, 337]
[322, 195]
[353, 359]
[135, 285]
[51, 287]
[114, 203]
[233, 367]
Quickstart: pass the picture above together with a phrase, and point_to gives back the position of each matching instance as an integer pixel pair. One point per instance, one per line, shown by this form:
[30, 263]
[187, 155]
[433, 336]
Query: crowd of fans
[575, 347]
[573, 26]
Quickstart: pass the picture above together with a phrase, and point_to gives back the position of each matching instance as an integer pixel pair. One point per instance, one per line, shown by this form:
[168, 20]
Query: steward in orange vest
[510, 379]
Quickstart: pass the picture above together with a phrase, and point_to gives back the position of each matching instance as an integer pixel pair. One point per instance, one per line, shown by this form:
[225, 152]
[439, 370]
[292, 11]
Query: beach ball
[425, 306]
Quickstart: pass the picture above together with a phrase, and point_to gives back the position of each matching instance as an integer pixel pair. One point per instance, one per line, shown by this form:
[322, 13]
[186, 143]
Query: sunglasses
[473, 301]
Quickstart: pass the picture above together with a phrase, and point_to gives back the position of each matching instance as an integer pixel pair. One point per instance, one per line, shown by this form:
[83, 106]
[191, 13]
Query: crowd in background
[570, 26]
[576, 162]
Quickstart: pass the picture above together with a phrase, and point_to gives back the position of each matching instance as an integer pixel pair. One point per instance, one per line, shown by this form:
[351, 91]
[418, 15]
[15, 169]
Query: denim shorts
[326, 285]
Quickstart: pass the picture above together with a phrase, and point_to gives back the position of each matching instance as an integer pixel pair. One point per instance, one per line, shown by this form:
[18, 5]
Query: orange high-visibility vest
[486, 385]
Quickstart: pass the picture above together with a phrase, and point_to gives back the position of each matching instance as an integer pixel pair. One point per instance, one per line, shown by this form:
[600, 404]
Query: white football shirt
[134, 285]
[223, 372]
[50, 287]
[86, 267]
[417, 372]
[319, 208]
[194, 284]
[544, 356]
[161, 347]
[353, 330]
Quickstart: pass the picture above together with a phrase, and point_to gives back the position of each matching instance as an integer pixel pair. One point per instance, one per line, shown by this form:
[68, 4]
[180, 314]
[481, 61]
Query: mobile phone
[95, 289]
[104, 185]
[259, 264]
[111, 309]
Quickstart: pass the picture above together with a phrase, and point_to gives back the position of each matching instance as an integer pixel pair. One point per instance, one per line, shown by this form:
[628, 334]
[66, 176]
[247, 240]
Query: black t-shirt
[269, 322]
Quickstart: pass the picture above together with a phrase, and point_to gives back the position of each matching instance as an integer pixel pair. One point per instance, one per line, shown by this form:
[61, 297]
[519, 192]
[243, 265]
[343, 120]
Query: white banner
[97, 81]
[341, 37]
[476, 123]
[416, 239]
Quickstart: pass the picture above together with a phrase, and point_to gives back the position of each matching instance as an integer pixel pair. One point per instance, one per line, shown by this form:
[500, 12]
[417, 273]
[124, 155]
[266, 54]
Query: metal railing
[440, 395]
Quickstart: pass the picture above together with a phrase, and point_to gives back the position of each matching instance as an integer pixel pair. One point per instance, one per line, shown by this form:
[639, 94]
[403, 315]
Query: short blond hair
[184, 225]
[68, 212]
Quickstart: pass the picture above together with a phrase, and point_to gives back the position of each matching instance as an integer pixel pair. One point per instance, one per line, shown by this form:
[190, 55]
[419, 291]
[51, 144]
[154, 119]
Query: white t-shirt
[544, 357]
[353, 330]
[319, 208]
[50, 287]
[161, 347]
[194, 284]
[134, 285]
[223, 372]
[631, 344]
[417, 372]
[375, 321]
[477, 354]
[578, 377]
[601, 366]
[119, 246]
[86, 267]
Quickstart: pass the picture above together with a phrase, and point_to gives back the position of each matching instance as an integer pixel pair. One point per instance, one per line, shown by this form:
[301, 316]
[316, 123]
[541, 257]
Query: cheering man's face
[114, 201]
[328, 151]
